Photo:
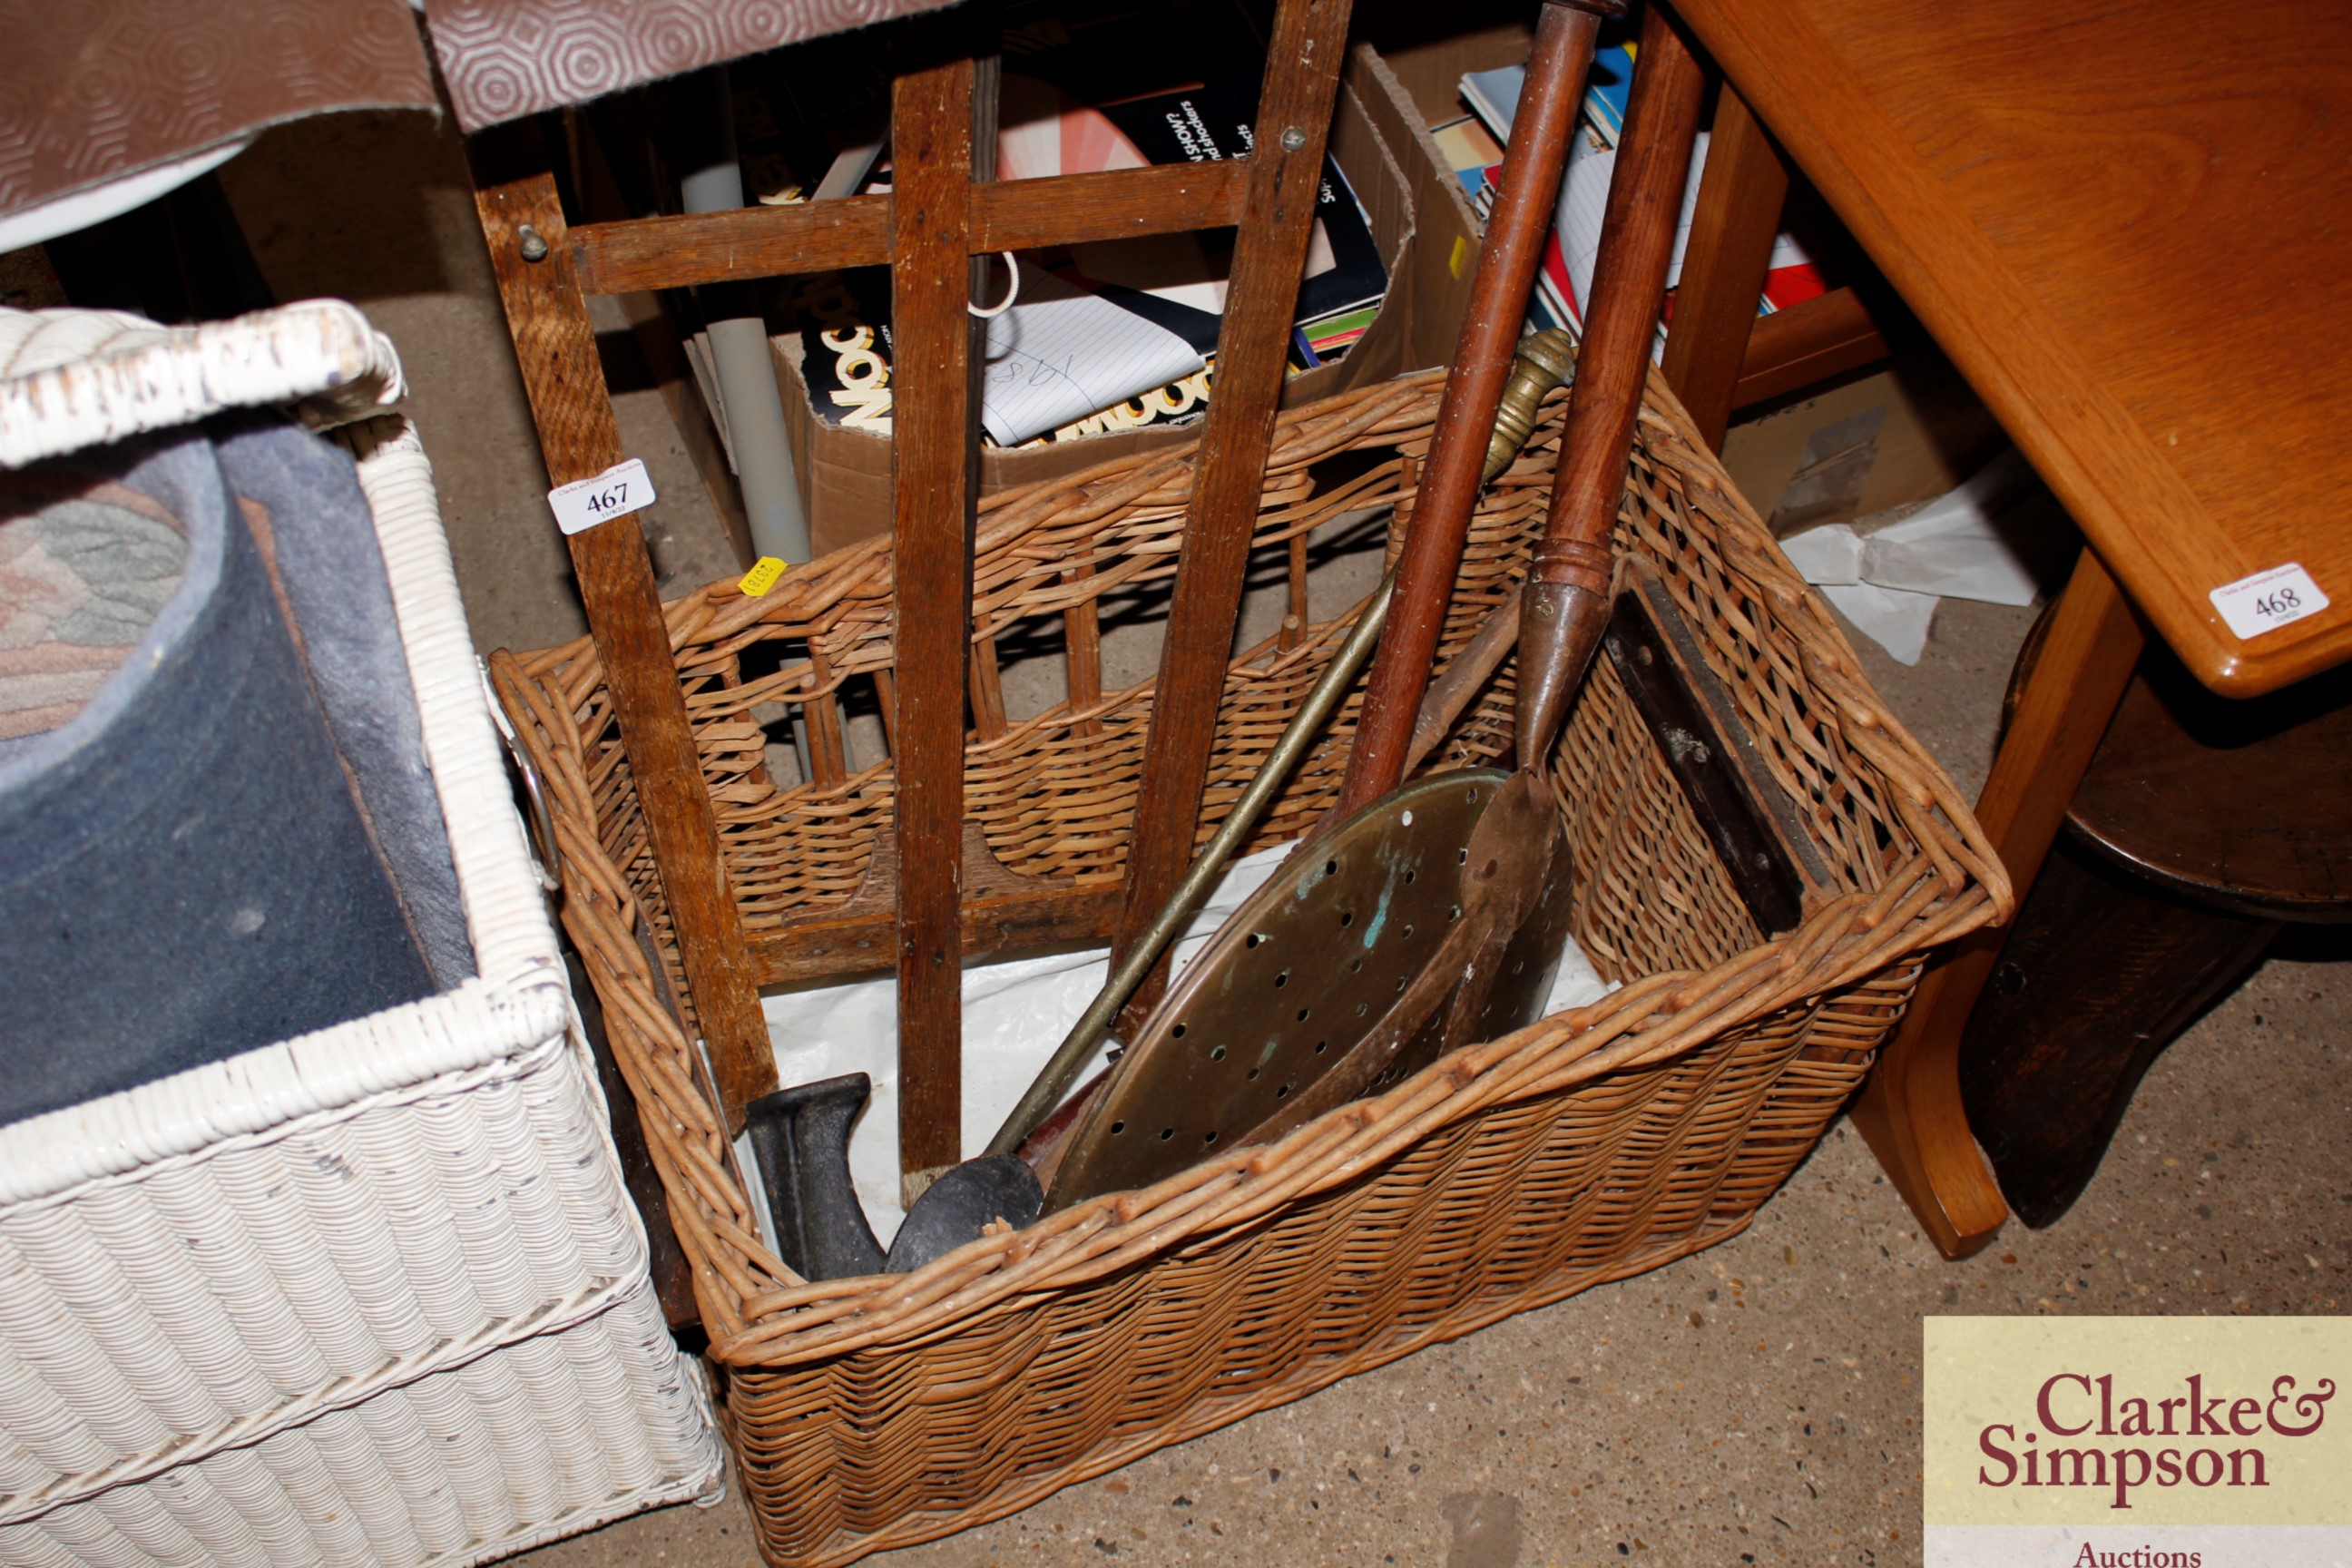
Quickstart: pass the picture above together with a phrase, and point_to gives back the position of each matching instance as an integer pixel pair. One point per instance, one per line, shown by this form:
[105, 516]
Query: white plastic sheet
[1014, 1014]
[1983, 541]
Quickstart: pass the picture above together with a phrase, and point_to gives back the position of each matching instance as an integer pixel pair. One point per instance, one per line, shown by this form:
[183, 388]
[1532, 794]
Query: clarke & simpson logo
[2136, 1443]
[2191, 1416]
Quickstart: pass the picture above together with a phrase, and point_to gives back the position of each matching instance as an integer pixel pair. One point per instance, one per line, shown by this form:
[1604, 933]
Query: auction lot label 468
[2138, 1443]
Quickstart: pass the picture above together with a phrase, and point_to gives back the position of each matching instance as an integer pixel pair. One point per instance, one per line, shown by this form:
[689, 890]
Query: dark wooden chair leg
[2100, 973]
[1293, 117]
[556, 346]
[1910, 1109]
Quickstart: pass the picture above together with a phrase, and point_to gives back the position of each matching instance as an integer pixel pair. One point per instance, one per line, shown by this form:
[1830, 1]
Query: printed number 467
[606, 500]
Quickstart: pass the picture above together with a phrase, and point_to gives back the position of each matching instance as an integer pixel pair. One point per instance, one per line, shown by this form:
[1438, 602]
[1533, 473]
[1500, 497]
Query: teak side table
[2125, 238]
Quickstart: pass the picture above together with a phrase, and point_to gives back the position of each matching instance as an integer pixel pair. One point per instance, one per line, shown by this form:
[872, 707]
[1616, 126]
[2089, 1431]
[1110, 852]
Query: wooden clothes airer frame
[943, 215]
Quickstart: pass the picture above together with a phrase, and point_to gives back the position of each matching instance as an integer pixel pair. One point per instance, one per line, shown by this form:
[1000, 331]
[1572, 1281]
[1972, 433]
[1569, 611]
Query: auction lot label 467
[2138, 1443]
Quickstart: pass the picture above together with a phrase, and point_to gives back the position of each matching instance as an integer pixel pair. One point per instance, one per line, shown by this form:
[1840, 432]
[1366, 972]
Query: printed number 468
[606, 500]
[2282, 602]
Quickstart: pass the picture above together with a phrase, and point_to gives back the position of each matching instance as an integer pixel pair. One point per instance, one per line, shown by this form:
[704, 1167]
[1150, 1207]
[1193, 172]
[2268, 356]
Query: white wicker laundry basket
[375, 1295]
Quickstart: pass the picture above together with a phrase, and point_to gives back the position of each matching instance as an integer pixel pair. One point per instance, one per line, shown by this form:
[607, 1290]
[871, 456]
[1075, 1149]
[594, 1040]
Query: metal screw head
[534, 248]
[1293, 139]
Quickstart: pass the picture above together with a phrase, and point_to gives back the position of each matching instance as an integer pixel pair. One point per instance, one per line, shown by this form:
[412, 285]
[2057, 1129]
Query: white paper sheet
[1061, 355]
[1014, 1014]
[1995, 538]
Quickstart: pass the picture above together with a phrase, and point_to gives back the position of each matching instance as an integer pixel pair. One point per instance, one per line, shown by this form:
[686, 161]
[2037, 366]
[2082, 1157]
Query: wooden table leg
[933, 489]
[556, 346]
[1910, 1110]
[1286, 168]
[1724, 266]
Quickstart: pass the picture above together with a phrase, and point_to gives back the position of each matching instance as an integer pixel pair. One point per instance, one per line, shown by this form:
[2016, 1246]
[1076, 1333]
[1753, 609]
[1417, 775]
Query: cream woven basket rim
[1950, 882]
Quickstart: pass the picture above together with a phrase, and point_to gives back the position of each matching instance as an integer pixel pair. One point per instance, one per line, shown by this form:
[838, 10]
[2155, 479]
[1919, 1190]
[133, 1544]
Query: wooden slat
[1119, 204]
[933, 494]
[1285, 169]
[676, 252]
[1825, 336]
[1910, 1110]
[818, 237]
[1724, 266]
[831, 949]
[565, 384]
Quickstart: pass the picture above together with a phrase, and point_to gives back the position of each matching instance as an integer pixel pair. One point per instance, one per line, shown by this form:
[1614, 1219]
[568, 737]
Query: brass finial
[1546, 360]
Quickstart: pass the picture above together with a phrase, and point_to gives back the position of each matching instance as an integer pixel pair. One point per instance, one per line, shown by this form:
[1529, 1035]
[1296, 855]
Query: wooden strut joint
[1082, 637]
[828, 751]
[988, 721]
[678, 251]
[1910, 1109]
[1566, 602]
[1449, 486]
[1740, 198]
[1827, 335]
[556, 347]
[1285, 176]
[934, 491]
[1293, 611]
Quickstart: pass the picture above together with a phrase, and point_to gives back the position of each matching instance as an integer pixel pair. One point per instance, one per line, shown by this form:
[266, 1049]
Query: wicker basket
[870, 1414]
[376, 1295]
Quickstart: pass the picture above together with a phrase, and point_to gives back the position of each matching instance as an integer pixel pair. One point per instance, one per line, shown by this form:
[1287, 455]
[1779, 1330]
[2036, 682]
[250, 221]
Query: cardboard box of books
[1865, 442]
[1110, 349]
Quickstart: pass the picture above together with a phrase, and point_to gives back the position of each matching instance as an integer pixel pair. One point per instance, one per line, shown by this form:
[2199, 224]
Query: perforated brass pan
[1309, 966]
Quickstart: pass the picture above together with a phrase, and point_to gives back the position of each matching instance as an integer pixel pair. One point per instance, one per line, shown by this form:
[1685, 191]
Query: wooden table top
[2129, 223]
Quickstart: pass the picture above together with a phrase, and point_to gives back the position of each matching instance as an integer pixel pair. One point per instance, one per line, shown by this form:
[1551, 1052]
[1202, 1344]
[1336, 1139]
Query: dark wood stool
[2203, 825]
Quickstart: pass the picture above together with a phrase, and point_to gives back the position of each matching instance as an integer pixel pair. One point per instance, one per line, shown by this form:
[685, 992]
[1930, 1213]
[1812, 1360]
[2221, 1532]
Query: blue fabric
[328, 566]
[184, 871]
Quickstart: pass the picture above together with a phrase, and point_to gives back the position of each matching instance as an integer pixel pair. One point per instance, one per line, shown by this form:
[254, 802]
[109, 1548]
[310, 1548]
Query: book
[845, 352]
[1564, 280]
[1493, 96]
[1116, 324]
[1468, 149]
[1792, 275]
[1181, 285]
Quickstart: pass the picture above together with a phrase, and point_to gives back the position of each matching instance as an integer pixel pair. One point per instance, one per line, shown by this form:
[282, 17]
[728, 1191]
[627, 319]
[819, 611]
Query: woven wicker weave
[870, 1414]
[375, 1295]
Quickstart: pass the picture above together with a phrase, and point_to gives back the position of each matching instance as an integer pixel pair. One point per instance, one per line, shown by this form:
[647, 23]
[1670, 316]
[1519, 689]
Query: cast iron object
[1377, 942]
[801, 1135]
[960, 1205]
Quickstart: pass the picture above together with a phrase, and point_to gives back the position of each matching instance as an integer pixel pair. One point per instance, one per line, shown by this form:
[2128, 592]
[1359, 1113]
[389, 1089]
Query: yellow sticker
[762, 577]
[1460, 249]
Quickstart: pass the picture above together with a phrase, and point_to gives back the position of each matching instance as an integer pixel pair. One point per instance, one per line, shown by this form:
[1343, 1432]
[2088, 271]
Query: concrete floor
[1758, 1403]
